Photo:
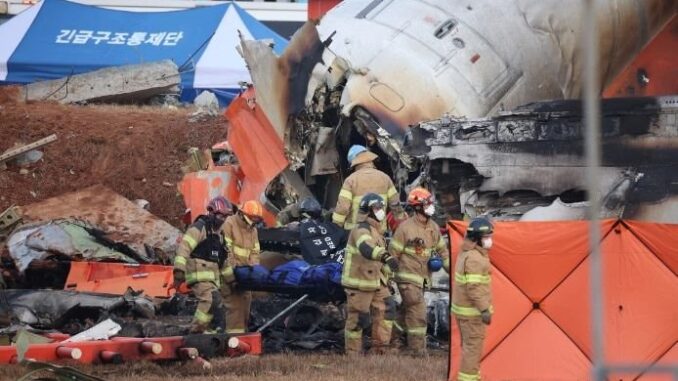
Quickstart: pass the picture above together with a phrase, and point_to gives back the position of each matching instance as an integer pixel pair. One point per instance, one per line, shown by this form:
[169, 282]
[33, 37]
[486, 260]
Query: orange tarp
[541, 328]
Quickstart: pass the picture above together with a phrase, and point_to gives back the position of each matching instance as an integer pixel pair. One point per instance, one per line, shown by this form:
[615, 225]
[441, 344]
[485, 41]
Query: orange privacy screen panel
[541, 327]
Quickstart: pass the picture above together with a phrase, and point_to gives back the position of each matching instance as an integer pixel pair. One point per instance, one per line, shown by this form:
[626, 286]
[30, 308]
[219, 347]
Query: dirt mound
[136, 151]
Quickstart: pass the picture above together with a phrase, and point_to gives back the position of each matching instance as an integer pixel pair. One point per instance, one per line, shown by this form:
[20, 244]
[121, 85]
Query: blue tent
[57, 38]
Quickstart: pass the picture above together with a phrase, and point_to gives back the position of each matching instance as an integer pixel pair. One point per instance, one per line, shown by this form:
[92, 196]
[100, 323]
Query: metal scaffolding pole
[593, 159]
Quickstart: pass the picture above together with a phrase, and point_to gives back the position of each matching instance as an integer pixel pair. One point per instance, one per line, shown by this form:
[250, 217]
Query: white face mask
[380, 215]
[486, 242]
[430, 210]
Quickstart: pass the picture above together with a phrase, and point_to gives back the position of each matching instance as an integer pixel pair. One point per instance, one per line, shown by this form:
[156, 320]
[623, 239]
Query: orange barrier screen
[541, 327]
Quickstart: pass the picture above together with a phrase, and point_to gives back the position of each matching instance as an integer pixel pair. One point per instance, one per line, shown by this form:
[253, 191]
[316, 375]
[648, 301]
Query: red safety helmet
[419, 197]
[220, 205]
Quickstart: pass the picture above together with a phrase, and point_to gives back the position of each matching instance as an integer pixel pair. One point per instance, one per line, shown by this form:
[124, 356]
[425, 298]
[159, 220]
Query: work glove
[392, 262]
[486, 316]
[179, 278]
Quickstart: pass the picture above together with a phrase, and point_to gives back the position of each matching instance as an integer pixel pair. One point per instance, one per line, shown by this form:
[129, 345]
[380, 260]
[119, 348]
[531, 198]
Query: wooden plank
[14, 152]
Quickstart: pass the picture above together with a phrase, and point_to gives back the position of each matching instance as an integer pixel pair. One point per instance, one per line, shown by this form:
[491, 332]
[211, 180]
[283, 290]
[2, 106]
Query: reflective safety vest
[413, 243]
[471, 292]
[366, 179]
[242, 242]
[201, 256]
[364, 252]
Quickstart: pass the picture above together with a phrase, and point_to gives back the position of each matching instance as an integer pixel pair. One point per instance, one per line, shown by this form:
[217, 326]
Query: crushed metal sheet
[62, 238]
[102, 331]
[67, 310]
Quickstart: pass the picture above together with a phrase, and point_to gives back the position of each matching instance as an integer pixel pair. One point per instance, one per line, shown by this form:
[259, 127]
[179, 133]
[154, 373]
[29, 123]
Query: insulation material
[544, 266]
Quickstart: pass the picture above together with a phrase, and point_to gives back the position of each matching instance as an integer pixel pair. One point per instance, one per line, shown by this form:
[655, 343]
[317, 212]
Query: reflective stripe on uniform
[392, 192]
[362, 239]
[388, 324]
[179, 260]
[228, 274]
[441, 244]
[419, 331]
[348, 281]
[403, 276]
[467, 311]
[338, 218]
[446, 264]
[353, 334]
[347, 194]
[202, 317]
[241, 251]
[201, 276]
[413, 251]
[229, 241]
[235, 330]
[468, 377]
[472, 278]
[192, 243]
[397, 246]
[377, 252]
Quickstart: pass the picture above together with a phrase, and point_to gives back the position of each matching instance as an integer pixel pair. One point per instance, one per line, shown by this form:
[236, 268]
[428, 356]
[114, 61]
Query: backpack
[289, 273]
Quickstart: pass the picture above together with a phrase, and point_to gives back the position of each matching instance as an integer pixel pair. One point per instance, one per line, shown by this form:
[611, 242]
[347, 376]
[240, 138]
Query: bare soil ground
[284, 367]
[133, 150]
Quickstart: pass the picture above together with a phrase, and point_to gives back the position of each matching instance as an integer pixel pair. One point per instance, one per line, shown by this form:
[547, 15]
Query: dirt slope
[133, 150]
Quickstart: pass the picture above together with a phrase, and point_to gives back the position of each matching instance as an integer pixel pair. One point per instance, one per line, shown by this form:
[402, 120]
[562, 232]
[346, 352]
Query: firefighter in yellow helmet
[369, 301]
[366, 178]
[242, 240]
[472, 295]
[420, 249]
[199, 261]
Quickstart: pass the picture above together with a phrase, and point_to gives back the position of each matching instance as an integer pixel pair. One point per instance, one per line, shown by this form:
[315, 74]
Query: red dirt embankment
[136, 151]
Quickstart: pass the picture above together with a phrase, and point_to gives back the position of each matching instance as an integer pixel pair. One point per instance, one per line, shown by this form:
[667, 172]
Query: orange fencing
[541, 327]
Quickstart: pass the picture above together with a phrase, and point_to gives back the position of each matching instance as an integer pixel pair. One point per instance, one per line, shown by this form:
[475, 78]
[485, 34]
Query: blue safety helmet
[354, 151]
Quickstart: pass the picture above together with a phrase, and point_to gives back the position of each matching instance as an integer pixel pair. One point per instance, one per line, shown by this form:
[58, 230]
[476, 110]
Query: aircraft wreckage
[370, 70]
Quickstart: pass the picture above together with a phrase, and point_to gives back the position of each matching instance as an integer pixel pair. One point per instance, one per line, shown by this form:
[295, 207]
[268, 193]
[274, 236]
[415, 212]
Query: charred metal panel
[531, 157]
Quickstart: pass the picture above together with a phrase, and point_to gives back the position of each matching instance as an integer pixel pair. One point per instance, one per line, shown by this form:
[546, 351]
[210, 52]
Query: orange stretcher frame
[541, 326]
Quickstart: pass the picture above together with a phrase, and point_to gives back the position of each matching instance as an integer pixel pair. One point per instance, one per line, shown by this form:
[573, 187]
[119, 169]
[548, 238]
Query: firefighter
[472, 295]
[365, 178]
[242, 240]
[199, 261]
[420, 249]
[369, 301]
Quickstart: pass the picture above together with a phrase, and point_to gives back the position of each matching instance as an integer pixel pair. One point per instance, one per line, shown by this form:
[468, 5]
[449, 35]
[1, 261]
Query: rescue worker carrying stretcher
[420, 249]
[366, 178]
[369, 301]
[472, 295]
[199, 261]
[242, 240]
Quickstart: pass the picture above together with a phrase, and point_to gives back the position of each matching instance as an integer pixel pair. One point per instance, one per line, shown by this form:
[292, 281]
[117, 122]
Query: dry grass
[283, 367]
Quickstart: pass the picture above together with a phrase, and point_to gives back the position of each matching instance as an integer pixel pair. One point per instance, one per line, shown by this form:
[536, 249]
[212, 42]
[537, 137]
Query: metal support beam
[593, 159]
